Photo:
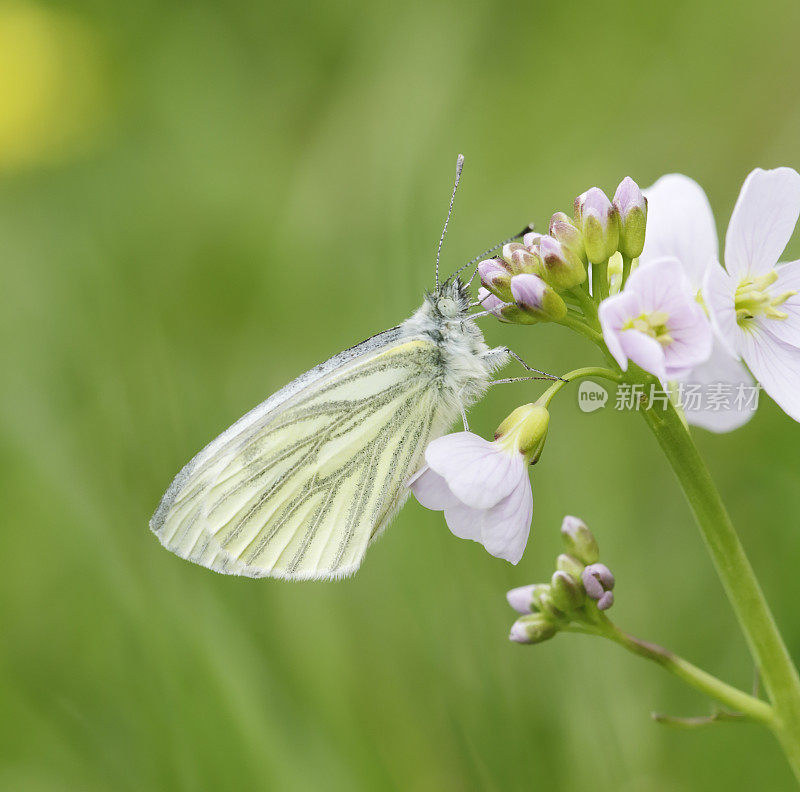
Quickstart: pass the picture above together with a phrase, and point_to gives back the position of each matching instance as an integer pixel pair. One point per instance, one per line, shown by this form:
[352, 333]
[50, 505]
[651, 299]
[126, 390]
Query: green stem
[581, 327]
[777, 670]
[576, 374]
[588, 305]
[626, 268]
[689, 673]
[600, 280]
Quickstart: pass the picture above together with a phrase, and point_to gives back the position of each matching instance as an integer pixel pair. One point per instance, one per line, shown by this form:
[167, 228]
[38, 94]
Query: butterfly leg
[506, 380]
[544, 374]
[464, 419]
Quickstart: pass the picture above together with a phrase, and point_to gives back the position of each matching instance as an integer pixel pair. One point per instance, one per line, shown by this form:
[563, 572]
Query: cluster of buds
[526, 283]
[579, 590]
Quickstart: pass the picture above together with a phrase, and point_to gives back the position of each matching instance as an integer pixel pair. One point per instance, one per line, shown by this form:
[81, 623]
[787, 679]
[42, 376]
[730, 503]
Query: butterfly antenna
[486, 252]
[459, 168]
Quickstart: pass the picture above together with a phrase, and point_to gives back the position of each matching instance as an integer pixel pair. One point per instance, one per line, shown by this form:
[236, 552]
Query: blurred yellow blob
[51, 97]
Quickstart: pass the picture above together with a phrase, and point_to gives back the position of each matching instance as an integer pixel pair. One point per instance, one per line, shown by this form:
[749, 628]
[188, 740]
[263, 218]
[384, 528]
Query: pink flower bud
[495, 277]
[598, 220]
[536, 298]
[562, 268]
[521, 598]
[531, 238]
[567, 233]
[532, 629]
[598, 583]
[632, 208]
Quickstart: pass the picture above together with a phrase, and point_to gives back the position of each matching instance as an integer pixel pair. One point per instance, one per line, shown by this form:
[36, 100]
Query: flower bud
[598, 220]
[631, 206]
[491, 303]
[531, 238]
[505, 312]
[571, 565]
[495, 277]
[568, 234]
[521, 598]
[562, 268]
[520, 259]
[579, 540]
[606, 601]
[525, 430]
[543, 603]
[532, 629]
[566, 593]
[535, 298]
[598, 582]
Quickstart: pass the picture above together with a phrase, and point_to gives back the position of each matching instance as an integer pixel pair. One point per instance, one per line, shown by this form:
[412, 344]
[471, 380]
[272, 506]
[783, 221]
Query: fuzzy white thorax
[467, 362]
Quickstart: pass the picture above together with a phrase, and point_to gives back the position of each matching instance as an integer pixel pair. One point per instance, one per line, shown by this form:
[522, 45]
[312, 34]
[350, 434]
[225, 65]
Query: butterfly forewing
[300, 485]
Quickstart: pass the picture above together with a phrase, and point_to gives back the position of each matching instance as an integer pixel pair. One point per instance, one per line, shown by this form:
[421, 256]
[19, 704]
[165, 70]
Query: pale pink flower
[754, 303]
[656, 323]
[680, 224]
[483, 488]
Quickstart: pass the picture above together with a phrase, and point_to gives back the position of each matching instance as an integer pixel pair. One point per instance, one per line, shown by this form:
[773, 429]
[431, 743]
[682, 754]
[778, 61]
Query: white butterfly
[302, 484]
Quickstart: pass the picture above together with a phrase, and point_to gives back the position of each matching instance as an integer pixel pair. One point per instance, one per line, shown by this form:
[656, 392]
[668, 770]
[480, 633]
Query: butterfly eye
[447, 307]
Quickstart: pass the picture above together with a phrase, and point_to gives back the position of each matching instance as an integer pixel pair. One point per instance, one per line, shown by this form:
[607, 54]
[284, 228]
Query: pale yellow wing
[299, 486]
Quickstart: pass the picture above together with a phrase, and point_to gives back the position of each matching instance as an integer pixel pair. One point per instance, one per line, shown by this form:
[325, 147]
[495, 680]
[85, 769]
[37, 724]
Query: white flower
[680, 224]
[656, 323]
[754, 303]
[483, 489]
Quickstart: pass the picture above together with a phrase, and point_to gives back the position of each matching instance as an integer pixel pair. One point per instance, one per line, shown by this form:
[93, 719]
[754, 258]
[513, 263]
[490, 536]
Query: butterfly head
[450, 301]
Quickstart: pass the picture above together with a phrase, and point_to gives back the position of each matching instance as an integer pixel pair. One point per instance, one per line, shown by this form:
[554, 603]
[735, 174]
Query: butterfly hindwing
[299, 486]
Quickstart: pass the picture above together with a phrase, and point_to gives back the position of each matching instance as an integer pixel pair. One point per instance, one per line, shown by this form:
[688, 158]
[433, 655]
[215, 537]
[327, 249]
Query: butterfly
[300, 486]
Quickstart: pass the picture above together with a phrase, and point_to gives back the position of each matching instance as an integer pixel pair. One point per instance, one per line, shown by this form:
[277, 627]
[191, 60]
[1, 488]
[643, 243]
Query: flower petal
[720, 368]
[661, 285]
[644, 351]
[692, 339]
[762, 222]
[464, 522]
[506, 526]
[613, 313]
[680, 224]
[719, 295]
[788, 330]
[431, 490]
[776, 366]
[478, 473]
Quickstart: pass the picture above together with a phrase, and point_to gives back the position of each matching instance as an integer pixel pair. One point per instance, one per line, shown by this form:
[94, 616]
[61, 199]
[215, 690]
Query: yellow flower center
[653, 324]
[754, 298]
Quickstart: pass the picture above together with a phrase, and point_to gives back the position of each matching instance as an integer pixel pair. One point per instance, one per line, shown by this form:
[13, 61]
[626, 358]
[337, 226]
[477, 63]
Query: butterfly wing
[299, 486]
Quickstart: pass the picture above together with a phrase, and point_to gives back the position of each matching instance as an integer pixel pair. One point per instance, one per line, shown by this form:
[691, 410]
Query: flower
[482, 486]
[483, 489]
[680, 224]
[656, 323]
[754, 303]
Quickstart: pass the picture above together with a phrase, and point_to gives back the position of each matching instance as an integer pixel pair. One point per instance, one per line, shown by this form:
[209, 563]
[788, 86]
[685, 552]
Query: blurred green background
[199, 201]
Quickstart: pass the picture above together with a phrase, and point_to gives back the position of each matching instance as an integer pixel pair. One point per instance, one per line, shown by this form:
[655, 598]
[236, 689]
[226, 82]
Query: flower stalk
[753, 708]
[777, 670]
